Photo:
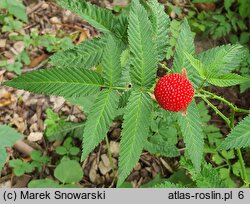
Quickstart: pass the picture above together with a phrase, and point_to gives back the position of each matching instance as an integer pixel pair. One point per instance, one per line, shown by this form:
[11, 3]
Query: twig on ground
[22, 147]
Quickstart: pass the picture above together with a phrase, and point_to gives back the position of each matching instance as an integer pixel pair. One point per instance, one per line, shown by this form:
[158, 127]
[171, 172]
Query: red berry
[174, 92]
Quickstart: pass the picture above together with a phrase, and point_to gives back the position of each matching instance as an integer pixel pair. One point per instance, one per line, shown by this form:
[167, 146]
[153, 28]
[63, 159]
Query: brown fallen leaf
[103, 168]
[114, 148]
[2, 43]
[37, 60]
[19, 123]
[83, 37]
[19, 46]
[205, 6]
[6, 98]
[22, 181]
[1, 75]
[35, 136]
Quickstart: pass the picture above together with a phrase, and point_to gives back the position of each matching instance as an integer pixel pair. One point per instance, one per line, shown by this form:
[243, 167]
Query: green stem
[219, 167]
[233, 107]
[202, 83]
[165, 67]
[126, 88]
[243, 168]
[240, 110]
[216, 110]
[110, 156]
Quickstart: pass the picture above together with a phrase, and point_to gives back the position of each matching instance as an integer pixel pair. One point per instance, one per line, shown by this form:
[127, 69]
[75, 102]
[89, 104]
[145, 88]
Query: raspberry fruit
[174, 92]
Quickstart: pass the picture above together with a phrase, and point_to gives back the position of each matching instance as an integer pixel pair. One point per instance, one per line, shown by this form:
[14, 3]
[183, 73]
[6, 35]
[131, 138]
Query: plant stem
[165, 67]
[233, 107]
[216, 110]
[243, 168]
[219, 167]
[110, 156]
[202, 83]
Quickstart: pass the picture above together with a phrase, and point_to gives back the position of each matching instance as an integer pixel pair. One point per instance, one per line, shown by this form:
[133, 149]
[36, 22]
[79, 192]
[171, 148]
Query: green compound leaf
[121, 26]
[185, 43]
[168, 184]
[230, 79]
[101, 115]
[239, 136]
[111, 62]
[85, 55]
[68, 171]
[135, 132]
[142, 47]
[161, 23]
[208, 176]
[223, 59]
[163, 149]
[100, 18]
[163, 142]
[8, 137]
[191, 128]
[197, 64]
[67, 82]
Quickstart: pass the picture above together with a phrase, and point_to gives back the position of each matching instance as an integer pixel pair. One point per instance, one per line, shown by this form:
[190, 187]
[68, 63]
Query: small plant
[229, 20]
[22, 167]
[68, 149]
[119, 68]
[57, 127]
[62, 173]
[13, 14]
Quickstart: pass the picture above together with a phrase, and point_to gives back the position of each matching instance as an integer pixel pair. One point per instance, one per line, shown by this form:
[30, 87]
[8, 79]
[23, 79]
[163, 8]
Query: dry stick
[22, 147]
[35, 7]
[70, 26]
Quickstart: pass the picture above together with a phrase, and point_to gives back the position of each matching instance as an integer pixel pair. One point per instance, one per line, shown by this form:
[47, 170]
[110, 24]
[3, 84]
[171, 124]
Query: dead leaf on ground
[58, 103]
[2, 43]
[6, 98]
[205, 6]
[83, 37]
[93, 173]
[19, 123]
[37, 60]
[114, 148]
[22, 181]
[1, 75]
[19, 46]
[35, 136]
[6, 184]
[103, 168]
